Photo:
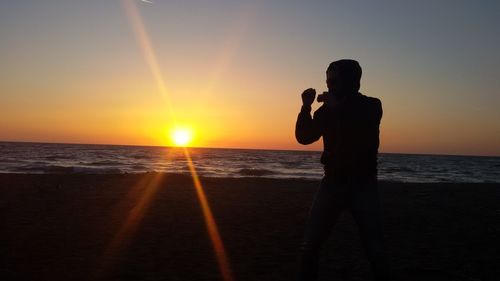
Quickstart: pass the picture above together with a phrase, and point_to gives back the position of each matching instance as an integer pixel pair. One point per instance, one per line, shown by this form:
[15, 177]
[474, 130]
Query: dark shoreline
[57, 227]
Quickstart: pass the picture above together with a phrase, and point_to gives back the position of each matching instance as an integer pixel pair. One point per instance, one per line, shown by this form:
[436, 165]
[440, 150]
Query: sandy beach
[151, 227]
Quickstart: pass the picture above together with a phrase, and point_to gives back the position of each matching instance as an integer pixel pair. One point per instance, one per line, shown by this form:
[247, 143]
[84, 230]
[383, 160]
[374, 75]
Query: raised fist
[308, 96]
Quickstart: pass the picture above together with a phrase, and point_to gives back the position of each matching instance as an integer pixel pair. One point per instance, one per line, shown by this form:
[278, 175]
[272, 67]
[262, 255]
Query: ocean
[39, 158]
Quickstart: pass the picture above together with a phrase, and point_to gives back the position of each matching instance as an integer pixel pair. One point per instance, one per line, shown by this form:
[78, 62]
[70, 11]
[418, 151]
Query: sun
[181, 137]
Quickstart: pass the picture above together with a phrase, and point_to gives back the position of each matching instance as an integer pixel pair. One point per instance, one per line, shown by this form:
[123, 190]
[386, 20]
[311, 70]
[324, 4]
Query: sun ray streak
[147, 49]
[213, 232]
[229, 49]
[142, 192]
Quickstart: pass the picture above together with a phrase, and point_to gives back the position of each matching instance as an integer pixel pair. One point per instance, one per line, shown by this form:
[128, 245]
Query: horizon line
[236, 148]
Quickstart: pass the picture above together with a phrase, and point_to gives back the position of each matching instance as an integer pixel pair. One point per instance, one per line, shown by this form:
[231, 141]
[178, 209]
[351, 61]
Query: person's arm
[373, 129]
[307, 128]
[378, 118]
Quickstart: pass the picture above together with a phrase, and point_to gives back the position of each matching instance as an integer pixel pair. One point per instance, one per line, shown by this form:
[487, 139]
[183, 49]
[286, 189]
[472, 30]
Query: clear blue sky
[434, 64]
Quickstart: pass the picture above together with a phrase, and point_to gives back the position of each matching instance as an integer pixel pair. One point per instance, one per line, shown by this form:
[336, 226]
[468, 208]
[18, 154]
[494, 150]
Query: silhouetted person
[349, 124]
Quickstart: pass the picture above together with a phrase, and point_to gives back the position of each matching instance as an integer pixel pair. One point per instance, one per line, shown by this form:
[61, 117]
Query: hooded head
[343, 76]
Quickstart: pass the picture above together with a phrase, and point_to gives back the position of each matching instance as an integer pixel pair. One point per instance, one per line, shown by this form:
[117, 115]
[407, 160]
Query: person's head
[343, 76]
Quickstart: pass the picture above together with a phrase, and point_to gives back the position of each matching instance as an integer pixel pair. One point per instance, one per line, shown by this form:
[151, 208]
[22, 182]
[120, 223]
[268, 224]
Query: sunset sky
[127, 72]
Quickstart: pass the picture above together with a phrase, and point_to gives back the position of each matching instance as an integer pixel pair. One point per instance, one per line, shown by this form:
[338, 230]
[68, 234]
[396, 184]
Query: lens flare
[181, 138]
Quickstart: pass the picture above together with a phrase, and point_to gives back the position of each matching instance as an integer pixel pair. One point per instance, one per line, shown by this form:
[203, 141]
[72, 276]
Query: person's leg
[324, 212]
[367, 214]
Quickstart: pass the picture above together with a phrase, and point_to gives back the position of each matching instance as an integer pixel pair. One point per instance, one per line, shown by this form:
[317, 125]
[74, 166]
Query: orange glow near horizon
[235, 73]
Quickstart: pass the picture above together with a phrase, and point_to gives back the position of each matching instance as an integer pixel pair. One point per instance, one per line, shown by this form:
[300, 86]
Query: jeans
[333, 197]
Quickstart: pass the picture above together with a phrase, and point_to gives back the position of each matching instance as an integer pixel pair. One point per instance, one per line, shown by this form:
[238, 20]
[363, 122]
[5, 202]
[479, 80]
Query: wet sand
[151, 227]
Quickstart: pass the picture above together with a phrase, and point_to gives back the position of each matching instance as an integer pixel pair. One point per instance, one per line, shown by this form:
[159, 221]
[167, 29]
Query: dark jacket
[350, 132]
